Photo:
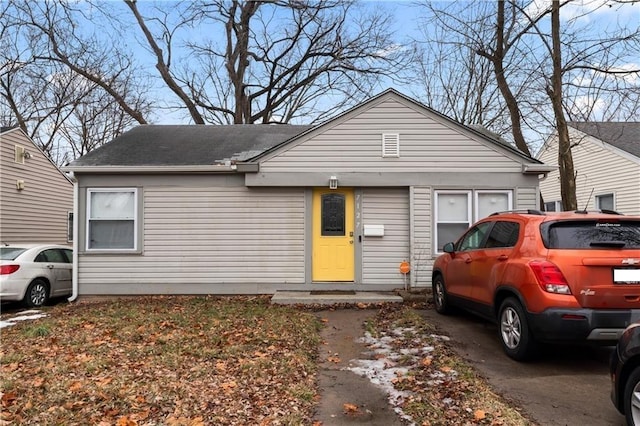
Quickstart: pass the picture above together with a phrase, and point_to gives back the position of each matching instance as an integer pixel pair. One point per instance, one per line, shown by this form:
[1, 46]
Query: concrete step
[333, 297]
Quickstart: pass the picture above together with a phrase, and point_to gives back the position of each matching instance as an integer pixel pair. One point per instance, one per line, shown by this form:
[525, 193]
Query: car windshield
[591, 234]
[10, 253]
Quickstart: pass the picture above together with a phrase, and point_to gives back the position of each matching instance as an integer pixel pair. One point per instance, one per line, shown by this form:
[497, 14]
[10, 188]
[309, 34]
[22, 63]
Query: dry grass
[163, 360]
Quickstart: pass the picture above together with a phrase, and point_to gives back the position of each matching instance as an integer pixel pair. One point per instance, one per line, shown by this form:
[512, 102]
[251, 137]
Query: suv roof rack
[605, 211]
[528, 211]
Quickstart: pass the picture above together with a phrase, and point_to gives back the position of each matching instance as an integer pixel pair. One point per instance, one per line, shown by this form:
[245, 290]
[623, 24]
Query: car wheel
[37, 294]
[632, 398]
[440, 295]
[517, 341]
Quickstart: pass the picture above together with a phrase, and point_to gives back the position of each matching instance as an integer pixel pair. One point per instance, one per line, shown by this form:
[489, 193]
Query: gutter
[537, 169]
[213, 168]
[76, 226]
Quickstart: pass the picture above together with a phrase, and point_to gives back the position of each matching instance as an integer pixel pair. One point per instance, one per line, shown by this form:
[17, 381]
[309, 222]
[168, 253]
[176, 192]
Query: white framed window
[456, 211]
[605, 202]
[489, 202]
[69, 227]
[452, 216]
[391, 145]
[112, 216]
[553, 206]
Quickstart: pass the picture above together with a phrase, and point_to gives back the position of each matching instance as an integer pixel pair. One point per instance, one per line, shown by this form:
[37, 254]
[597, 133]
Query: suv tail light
[550, 277]
[8, 269]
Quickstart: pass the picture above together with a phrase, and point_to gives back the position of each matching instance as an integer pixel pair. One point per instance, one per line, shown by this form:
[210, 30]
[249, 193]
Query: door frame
[355, 195]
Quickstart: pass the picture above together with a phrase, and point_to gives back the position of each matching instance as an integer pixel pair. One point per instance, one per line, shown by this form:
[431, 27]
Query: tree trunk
[565, 159]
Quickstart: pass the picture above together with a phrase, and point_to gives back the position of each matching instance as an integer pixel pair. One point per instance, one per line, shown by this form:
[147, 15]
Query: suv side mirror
[448, 248]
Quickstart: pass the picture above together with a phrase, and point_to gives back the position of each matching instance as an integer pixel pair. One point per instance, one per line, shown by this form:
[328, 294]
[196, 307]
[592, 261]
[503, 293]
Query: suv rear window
[591, 234]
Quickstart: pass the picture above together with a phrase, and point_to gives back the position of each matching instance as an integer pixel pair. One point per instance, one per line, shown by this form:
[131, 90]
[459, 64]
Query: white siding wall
[381, 256]
[38, 213]
[208, 236]
[426, 144]
[599, 169]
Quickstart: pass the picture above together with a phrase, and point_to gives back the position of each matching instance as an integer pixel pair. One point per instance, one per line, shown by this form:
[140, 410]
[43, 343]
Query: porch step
[333, 297]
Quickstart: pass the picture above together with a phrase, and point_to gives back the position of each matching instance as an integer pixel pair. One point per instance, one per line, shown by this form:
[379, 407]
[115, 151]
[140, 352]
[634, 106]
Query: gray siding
[526, 198]
[196, 238]
[427, 143]
[37, 213]
[594, 162]
[381, 256]
[423, 257]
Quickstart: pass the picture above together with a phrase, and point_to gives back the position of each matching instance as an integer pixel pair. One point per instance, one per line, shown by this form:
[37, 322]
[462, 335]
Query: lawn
[222, 361]
[162, 360]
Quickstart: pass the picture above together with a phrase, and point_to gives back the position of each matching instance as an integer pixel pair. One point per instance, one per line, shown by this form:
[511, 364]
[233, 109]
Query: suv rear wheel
[517, 341]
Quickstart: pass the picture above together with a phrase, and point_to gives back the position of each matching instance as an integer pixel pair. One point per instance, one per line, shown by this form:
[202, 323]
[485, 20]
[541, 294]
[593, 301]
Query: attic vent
[19, 154]
[390, 145]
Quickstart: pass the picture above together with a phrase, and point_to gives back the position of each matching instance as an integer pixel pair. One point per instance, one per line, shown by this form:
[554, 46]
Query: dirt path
[338, 386]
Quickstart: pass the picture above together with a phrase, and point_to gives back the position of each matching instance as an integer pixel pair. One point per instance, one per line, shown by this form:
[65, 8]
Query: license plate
[626, 276]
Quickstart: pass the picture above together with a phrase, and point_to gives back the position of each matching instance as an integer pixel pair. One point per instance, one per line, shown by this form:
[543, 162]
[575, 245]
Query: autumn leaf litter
[229, 361]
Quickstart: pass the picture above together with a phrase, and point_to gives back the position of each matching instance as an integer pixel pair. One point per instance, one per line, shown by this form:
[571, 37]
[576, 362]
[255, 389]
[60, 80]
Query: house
[36, 198]
[252, 209]
[606, 159]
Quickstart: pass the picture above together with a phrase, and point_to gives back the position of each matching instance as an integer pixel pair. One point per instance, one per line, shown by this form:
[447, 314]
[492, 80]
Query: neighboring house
[258, 208]
[606, 160]
[36, 198]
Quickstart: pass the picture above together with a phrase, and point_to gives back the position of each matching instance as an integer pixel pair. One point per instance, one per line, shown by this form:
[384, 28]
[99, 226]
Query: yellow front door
[333, 243]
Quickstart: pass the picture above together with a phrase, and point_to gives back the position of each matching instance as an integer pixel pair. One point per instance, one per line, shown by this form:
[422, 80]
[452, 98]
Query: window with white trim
[112, 219]
[452, 216]
[456, 211]
[489, 202]
[390, 145]
[69, 227]
[553, 206]
[605, 202]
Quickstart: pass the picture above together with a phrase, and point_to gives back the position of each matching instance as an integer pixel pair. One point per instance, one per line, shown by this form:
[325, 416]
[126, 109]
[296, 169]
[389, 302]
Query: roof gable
[622, 135]
[480, 135]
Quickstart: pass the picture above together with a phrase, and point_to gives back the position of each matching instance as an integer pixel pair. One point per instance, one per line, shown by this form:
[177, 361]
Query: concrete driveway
[567, 386]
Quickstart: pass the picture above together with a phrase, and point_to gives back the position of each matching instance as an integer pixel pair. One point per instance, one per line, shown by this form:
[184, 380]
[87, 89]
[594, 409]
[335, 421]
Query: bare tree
[49, 75]
[532, 54]
[277, 60]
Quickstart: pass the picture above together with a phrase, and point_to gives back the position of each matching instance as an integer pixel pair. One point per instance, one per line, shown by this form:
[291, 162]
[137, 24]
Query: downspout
[74, 274]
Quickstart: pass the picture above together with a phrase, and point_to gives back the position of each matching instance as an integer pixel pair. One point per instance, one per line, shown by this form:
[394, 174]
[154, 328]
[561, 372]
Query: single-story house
[606, 159]
[253, 209]
[36, 197]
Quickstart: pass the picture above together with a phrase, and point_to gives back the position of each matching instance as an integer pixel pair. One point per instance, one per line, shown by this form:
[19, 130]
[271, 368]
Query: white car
[34, 273]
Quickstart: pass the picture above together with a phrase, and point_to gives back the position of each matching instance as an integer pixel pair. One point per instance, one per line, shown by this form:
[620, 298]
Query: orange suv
[545, 277]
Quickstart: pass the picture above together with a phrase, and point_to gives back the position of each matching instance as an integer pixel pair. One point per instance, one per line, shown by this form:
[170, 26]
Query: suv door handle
[468, 260]
[50, 266]
[503, 257]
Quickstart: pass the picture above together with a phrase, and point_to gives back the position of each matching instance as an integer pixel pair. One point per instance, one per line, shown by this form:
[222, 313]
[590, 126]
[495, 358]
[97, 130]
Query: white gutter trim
[152, 169]
[537, 168]
[74, 273]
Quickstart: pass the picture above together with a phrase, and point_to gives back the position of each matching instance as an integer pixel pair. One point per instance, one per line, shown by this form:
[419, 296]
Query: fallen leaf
[350, 408]
[8, 399]
[426, 361]
[479, 414]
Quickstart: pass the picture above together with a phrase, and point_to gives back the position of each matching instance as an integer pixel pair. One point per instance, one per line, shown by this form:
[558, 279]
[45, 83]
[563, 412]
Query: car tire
[632, 398]
[440, 298]
[37, 293]
[516, 338]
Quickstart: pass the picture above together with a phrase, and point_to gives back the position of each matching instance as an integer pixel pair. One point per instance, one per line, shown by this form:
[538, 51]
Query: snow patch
[383, 369]
[25, 316]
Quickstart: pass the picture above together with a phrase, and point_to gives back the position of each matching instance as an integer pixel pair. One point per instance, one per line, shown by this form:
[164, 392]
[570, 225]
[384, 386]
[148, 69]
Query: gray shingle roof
[188, 145]
[622, 135]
